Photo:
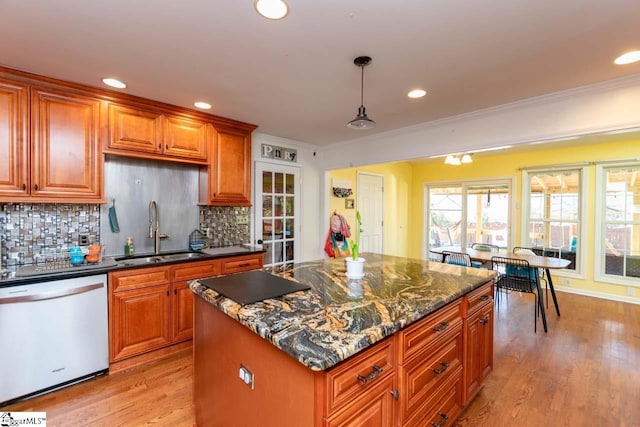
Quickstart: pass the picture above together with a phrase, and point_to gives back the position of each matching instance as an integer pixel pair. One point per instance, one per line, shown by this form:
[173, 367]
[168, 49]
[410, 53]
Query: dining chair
[529, 251]
[436, 256]
[485, 247]
[516, 275]
[456, 258]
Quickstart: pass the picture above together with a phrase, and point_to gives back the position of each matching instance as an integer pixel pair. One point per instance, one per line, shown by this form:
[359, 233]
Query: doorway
[370, 204]
[277, 214]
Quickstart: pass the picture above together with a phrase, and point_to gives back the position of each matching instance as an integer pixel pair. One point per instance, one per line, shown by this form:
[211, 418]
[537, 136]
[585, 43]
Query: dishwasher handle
[51, 295]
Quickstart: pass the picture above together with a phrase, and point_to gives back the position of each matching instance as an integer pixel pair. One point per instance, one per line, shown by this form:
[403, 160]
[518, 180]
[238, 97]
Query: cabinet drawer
[241, 263]
[421, 377]
[138, 278]
[195, 270]
[443, 409]
[358, 374]
[419, 335]
[479, 297]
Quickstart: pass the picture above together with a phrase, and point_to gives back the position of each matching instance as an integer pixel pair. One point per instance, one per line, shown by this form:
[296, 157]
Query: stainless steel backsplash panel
[133, 183]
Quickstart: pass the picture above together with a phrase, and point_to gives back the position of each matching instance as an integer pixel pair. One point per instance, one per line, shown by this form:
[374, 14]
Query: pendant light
[362, 122]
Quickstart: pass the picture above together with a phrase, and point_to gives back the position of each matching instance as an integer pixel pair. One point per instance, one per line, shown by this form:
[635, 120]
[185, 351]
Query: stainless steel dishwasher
[52, 334]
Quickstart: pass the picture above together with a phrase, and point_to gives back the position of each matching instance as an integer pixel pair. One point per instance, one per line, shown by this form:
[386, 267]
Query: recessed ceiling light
[114, 83]
[272, 9]
[417, 93]
[628, 58]
[203, 105]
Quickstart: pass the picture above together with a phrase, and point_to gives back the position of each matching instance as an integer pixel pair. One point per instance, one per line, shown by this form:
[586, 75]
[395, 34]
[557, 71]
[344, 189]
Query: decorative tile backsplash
[223, 223]
[29, 229]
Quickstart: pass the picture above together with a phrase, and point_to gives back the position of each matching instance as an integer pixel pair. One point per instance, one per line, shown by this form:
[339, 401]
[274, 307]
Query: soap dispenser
[129, 249]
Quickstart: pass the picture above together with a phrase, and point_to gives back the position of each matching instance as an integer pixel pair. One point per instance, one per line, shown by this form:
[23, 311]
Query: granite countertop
[338, 317]
[8, 277]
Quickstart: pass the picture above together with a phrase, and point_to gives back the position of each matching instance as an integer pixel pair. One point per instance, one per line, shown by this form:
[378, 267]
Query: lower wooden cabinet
[151, 308]
[478, 325]
[140, 321]
[373, 408]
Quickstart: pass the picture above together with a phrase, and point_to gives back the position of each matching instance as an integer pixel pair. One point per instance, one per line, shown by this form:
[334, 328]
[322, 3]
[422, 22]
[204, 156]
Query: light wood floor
[584, 372]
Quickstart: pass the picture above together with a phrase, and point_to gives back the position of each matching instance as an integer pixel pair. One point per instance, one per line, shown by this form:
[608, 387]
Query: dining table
[535, 261]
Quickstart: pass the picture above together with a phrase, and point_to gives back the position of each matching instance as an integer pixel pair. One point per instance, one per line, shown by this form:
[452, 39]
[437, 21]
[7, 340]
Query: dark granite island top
[337, 317]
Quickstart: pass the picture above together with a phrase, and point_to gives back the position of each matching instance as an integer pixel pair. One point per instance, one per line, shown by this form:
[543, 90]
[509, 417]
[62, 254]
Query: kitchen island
[408, 344]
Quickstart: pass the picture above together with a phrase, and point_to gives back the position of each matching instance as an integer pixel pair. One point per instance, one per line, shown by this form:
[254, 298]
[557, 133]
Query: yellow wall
[404, 198]
[397, 188]
[508, 165]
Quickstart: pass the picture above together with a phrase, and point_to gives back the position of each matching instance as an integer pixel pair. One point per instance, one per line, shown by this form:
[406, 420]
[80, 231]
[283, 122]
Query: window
[552, 213]
[465, 213]
[618, 219]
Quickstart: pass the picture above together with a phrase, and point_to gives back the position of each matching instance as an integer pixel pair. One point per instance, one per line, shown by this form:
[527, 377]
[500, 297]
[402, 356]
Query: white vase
[355, 268]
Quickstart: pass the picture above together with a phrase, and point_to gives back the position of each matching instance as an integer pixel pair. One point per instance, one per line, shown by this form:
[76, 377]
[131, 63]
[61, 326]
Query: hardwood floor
[584, 371]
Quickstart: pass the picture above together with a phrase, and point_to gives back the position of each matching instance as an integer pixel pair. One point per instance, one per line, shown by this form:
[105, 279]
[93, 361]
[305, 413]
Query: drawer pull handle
[441, 327]
[485, 298]
[376, 371]
[484, 320]
[442, 422]
[445, 365]
[246, 264]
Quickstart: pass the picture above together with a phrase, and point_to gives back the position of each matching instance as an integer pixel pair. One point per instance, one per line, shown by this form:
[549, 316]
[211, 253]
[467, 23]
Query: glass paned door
[277, 214]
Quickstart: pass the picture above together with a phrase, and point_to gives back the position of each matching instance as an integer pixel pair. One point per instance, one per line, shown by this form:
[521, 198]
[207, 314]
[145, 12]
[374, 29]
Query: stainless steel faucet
[154, 227]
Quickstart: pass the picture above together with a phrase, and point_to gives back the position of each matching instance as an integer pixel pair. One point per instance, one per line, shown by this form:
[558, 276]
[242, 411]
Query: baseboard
[141, 359]
[620, 298]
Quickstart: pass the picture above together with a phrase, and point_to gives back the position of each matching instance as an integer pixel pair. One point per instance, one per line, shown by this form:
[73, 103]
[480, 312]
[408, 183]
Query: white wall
[312, 237]
[608, 106]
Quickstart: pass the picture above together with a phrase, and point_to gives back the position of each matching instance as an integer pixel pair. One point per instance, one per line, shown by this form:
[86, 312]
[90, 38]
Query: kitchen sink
[160, 258]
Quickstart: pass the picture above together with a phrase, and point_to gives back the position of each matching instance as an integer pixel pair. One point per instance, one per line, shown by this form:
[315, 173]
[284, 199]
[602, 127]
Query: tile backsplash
[27, 229]
[223, 223]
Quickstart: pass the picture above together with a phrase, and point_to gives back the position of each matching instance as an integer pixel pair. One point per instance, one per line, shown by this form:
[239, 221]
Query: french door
[277, 214]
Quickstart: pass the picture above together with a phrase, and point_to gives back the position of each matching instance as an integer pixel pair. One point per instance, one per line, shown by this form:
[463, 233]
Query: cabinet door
[135, 130]
[186, 138]
[230, 170]
[372, 409]
[479, 349]
[182, 312]
[14, 148]
[66, 159]
[140, 321]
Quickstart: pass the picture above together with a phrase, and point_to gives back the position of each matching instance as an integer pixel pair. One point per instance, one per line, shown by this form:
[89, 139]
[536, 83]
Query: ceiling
[295, 78]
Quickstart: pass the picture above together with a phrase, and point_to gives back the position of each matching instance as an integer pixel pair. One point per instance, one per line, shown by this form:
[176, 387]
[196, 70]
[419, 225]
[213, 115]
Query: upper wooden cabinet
[14, 145]
[150, 134]
[55, 159]
[227, 180]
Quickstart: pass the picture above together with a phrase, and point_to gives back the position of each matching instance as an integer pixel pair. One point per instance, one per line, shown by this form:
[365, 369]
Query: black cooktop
[252, 286]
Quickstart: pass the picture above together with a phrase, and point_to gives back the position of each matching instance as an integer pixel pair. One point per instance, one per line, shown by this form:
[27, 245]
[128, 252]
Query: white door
[277, 214]
[370, 203]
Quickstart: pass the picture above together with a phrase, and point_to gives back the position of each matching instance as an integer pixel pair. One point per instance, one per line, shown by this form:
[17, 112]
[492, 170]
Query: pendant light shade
[362, 122]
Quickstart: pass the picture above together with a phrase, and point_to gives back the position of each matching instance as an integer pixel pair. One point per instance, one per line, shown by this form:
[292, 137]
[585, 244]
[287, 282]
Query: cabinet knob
[175, 292]
[167, 293]
[24, 187]
[35, 187]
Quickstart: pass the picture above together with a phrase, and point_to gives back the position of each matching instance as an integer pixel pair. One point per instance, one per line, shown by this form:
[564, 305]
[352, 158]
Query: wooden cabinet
[478, 325]
[55, 157]
[373, 408]
[431, 356]
[14, 148]
[227, 179]
[147, 133]
[151, 308]
[139, 321]
[241, 263]
[360, 390]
